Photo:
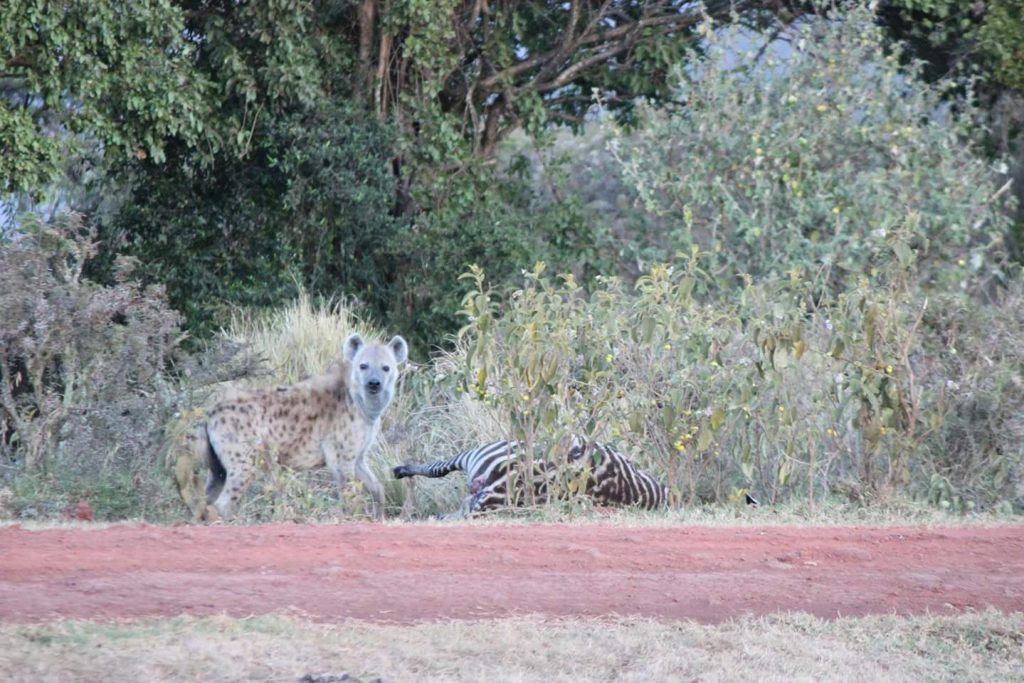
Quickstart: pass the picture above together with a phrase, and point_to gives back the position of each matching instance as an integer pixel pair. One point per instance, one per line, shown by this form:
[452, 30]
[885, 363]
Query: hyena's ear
[352, 345]
[399, 348]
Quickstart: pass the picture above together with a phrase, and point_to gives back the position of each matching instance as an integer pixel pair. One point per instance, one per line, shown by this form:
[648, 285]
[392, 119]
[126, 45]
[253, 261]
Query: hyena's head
[374, 369]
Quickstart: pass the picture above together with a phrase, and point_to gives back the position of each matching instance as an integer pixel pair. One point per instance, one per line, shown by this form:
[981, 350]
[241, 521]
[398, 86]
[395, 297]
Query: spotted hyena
[331, 420]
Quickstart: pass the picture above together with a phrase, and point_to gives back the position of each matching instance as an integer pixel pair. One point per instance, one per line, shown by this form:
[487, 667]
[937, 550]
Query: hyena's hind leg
[229, 478]
[217, 474]
[188, 463]
[235, 484]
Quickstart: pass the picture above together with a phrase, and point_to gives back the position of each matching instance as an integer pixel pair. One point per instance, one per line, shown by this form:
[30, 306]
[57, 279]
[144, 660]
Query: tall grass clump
[85, 380]
[834, 316]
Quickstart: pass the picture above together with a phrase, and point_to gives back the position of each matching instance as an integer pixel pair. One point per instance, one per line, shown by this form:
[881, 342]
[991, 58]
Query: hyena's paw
[211, 516]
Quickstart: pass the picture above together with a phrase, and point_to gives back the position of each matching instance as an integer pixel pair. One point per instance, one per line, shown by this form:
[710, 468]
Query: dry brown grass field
[986, 646]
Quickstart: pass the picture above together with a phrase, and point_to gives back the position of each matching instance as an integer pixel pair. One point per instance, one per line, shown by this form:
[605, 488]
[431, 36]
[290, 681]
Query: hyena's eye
[363, 366]
[386, 368]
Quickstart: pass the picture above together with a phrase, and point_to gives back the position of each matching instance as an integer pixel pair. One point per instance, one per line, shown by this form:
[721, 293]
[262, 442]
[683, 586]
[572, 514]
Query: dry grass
[328, 512]
[297, 340]
[971, 647]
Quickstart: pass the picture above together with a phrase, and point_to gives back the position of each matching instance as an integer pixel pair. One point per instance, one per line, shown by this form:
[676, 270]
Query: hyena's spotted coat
[331, 420]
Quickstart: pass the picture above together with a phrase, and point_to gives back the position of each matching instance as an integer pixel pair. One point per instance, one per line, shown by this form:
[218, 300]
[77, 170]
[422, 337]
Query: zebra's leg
[433, 470]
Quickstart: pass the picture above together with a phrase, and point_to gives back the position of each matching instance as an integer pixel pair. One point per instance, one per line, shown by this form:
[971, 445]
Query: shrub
[869, 398]
[821, 158]
[84, 389]
[832, 229]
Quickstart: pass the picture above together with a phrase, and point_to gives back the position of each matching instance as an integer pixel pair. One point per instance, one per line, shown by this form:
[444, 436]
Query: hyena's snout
[373, 386]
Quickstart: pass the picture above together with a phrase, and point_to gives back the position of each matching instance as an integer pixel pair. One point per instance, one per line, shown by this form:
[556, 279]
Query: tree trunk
[367, 20]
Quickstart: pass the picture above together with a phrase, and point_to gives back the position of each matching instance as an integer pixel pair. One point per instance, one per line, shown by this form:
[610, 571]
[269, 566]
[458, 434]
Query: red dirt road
[406, 572]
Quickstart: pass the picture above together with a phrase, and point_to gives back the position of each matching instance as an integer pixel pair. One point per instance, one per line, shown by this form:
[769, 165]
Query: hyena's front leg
[340, 468]
[373, 485]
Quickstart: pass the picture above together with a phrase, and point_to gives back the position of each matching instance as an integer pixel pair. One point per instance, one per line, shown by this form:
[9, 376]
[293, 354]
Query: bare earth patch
[406, 573]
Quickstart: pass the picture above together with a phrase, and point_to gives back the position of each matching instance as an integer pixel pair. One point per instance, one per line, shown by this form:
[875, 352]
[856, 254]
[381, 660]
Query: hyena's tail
[204, 452]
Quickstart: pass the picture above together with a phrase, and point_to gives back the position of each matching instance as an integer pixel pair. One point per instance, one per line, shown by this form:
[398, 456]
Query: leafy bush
[84, 390]
[832, 229]
[822, 158]
[868, 398]
[612, 233]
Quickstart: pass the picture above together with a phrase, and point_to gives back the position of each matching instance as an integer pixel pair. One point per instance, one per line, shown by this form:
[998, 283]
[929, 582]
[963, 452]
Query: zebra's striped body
[605, 474]
[616, 480]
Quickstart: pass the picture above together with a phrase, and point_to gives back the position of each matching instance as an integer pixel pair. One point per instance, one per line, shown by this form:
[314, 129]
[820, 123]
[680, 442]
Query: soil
[406, 572]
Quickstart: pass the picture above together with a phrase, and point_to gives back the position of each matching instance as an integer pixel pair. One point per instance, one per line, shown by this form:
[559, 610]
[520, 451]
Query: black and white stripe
[614, 479]
[600, 471]
[489, 469]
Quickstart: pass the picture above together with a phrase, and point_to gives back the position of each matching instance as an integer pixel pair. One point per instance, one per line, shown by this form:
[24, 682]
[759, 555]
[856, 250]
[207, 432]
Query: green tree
[425, 90]
[310, 205]
[216, 113]
[984, 37]
[114, 74]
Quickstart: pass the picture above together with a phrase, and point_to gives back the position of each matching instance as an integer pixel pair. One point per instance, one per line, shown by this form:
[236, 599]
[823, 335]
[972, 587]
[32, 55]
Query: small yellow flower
[836, 210]
[668, 347]
[822, 107]
[609, 358]
[961, 262]
[679, 446]
[758, 151]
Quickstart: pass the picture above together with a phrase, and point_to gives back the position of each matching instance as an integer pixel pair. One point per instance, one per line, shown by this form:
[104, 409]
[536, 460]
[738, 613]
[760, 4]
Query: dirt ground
[406, 573]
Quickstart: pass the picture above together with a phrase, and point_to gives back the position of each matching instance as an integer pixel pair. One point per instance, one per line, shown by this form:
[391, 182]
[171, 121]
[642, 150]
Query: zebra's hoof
[401, 471]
